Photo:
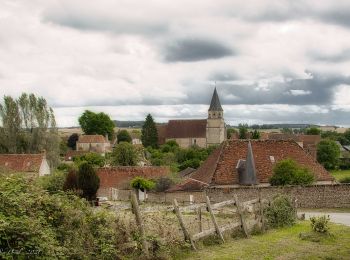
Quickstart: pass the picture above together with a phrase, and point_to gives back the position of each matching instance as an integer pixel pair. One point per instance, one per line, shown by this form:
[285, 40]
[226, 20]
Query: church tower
[216, 128]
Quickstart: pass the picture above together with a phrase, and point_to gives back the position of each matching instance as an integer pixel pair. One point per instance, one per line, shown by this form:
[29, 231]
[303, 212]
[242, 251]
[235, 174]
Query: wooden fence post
[136, 211]
[214, 219]
[182, 225]
[240, 213]
[199, 216]
[261, 205]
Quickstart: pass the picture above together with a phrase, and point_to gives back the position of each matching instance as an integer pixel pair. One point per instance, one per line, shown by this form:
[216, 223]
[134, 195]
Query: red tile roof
[21, 162]
[220, 167]
[120, 177]
[92, 139]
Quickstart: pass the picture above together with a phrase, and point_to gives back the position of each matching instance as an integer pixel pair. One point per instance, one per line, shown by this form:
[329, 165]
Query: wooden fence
[255, 206]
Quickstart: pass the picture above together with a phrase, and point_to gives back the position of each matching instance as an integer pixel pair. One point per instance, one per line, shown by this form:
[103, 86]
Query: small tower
[216, 128]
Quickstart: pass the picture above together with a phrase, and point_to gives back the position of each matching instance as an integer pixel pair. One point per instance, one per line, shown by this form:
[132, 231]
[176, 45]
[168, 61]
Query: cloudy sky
[272, 61]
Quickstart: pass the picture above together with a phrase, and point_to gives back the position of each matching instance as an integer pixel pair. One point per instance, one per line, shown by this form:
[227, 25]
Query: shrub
[320, 224]
[53, 182]
[91, 158]
[328, 153]
[71, 181]
[142, 184]
[281, 212]
[288, 172]
[345, 180]
[124, 154]
[163, 183]
[124, 136]
[88, 181]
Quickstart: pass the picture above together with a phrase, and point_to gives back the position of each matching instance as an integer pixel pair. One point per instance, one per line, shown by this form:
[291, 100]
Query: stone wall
[316, 196]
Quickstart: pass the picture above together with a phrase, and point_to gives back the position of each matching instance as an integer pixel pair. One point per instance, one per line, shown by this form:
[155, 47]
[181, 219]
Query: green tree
[288, 172]
[94, 159]
[313, 131]
[140, 183]
[231, 132]
[72, 141]
[124, 154]
[88, 181]
[124, 136]
[328, 153]
[149, 134]
[243, 131]
[255, 134]
[71, 181]
[96, 124]
[286, 130]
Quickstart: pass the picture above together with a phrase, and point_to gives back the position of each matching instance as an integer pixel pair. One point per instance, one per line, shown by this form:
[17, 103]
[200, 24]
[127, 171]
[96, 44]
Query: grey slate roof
[215, 102]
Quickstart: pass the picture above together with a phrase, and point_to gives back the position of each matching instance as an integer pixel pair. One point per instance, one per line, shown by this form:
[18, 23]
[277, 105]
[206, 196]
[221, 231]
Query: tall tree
[243, 131]
[96, 123]
[149, 134]
[72, 141]
[313, 131]
[124, 136]
[124, 154]
[328, 153]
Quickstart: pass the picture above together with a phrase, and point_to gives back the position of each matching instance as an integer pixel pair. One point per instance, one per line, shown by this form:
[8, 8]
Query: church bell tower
[216, 128]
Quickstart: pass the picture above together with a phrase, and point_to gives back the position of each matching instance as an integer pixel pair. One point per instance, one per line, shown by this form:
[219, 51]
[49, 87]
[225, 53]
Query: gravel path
[336, 217]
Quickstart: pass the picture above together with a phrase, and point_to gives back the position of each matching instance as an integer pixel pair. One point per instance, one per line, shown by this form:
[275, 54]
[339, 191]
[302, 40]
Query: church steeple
[215, 102]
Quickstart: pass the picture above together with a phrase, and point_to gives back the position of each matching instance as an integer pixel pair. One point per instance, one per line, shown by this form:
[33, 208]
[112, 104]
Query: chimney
[247, 175]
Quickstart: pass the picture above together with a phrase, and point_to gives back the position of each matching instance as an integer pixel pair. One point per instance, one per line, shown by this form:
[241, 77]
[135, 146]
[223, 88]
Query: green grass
[280, 244]
[340, 174]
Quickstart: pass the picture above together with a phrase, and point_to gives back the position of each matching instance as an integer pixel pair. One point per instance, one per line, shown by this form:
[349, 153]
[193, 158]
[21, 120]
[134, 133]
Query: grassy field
[280, 244]
[340, 174]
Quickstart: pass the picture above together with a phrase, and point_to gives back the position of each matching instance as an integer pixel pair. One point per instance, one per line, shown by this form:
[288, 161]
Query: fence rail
[237, 208]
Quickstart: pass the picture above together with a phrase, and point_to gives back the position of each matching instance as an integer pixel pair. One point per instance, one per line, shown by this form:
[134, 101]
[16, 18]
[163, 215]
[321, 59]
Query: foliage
[243, 131]
[96, 123]
[63, 148]
[163, 183]
[328, 153]
[149, 133]
[124, 136]
[72, 141]
[313, 131]
[142, 184]
[124, 154]
[281, 212]
[255, 134]
[88, 181]
[345, 180]
[320, 224]
[286, 130]
[91, 158]
[288, 172]
[231, 132]
[38, 225]
[29, 126]
[53, 182]
[193, 163]
[71, 181]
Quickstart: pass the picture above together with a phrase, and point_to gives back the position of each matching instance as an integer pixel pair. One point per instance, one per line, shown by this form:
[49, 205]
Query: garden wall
[316, 196]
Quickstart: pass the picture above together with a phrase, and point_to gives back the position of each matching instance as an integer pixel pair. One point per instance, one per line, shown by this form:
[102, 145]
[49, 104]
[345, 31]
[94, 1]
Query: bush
[163, 183]
[320, 224]
[280, 213]
[53, 182]
[345, 180]
[124, 154]
[142, 184]
[88, 181]
[71, 181]
[124, 136]
[288, 172]
[38, 225]
[328, 153]
[91, 158]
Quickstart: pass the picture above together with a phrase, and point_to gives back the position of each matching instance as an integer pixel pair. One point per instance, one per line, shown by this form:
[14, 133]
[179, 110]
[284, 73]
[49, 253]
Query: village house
[93, 143]
[249, 162]
[29, 163]
[199, 132]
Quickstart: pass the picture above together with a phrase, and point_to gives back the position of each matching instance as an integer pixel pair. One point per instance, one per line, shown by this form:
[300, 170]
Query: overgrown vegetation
[281, 212]
[288, 172]
[328, 153]
[123, 136]
[95, 159]
[140, 183]
[37, 224]
[124, 154]
[88, 181]
[320, 224]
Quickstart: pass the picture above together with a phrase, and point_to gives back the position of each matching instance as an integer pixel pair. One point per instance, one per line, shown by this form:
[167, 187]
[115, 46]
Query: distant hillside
[131, 124]
[278, 126]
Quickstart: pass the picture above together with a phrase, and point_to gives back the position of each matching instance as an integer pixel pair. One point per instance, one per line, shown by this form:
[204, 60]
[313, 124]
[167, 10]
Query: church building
[200, 132]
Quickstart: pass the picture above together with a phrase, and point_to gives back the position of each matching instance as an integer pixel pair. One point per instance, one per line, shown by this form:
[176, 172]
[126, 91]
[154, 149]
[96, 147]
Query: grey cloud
[98, 22]
[189, 50]
[316, 90]
[223, 76]
[338, 57]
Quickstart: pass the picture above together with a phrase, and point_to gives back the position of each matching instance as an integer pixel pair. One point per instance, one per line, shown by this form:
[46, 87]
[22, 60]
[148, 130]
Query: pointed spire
[250, 166]
[215, 102]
